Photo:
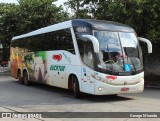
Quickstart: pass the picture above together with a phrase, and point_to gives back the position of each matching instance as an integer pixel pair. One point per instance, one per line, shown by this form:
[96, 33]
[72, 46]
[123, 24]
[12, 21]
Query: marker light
[99, 88]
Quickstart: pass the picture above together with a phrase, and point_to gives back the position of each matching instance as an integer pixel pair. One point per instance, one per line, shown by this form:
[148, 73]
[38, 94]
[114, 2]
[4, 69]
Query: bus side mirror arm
[94, 41]
[149, 44]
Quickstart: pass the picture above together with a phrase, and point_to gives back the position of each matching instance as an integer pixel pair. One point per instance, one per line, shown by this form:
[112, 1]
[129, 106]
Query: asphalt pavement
[4, 69]
[15, 97]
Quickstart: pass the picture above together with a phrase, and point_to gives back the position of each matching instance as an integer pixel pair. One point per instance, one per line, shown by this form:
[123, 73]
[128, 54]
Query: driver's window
[86, 52]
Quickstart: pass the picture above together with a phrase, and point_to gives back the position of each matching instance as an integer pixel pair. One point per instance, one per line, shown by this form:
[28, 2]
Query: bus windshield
[119, 52]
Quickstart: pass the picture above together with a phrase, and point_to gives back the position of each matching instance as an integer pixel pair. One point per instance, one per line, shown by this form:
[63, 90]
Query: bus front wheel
[76, 91]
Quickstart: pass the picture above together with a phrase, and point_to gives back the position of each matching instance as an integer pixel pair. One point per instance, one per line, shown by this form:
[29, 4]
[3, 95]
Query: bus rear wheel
[25, 79]
[20, 80]
[76, 91]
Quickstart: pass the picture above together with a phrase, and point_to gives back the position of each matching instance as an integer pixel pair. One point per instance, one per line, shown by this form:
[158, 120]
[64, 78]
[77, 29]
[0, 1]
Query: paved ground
[40, 98]
[4, 69]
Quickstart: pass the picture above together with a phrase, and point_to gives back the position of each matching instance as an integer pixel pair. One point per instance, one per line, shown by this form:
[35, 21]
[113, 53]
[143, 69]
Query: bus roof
[104, 25]
[94, 24]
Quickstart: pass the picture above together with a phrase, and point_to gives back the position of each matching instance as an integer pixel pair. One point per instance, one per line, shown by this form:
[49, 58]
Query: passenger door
[87, 57]
[88, 82]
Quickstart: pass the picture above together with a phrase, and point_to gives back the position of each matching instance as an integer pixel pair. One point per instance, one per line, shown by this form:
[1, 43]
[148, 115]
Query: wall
[152, 66]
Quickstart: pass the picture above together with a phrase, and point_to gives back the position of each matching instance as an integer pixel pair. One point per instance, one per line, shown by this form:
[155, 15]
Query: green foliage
[35, 14]
[142, 15]
[78, 8]
[8, 19]
[27, 16]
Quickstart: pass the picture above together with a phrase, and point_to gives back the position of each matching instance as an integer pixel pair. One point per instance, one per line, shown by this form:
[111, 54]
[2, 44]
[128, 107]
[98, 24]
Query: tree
[79, 9]
[27, 16]
[35, 14]
[8, 20]
[142, 15]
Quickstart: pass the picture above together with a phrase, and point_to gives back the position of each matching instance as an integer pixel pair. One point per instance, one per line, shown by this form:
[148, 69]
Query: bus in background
[91, 56]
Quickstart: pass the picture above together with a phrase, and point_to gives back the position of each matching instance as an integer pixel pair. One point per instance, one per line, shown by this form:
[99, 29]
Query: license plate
[124, 89]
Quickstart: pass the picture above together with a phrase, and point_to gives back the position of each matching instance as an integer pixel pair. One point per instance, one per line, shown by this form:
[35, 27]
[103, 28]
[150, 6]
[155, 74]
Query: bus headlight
[99, 89]
[141, 79]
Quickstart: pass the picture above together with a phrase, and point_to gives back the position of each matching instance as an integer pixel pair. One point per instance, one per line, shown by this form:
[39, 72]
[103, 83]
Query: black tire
[25, 79]
[113, 95]
[76, 91]
[20, 79]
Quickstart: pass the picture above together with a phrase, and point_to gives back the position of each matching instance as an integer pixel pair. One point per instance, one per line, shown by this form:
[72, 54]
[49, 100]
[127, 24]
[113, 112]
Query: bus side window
[56, 40]
[88, 55]
[66, 42]
[86, 52]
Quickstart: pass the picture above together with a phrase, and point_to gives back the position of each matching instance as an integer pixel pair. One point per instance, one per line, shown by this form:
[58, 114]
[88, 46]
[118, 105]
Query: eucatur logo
[57, 57]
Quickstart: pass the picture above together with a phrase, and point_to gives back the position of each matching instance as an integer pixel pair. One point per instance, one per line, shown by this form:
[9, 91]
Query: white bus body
[90, 56]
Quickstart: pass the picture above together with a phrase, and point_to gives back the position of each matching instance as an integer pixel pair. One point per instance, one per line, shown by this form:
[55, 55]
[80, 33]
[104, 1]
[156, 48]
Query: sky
[59, 2]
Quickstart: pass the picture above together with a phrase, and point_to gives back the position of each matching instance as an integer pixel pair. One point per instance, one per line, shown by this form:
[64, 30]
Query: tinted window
[57, 40]
[86, 52]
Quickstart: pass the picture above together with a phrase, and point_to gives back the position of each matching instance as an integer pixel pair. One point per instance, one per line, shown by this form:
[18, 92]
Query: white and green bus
[91, 56]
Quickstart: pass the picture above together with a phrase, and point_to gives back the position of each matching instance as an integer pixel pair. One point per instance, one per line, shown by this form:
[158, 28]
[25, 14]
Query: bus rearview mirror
[149, 44]
[94, 41]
